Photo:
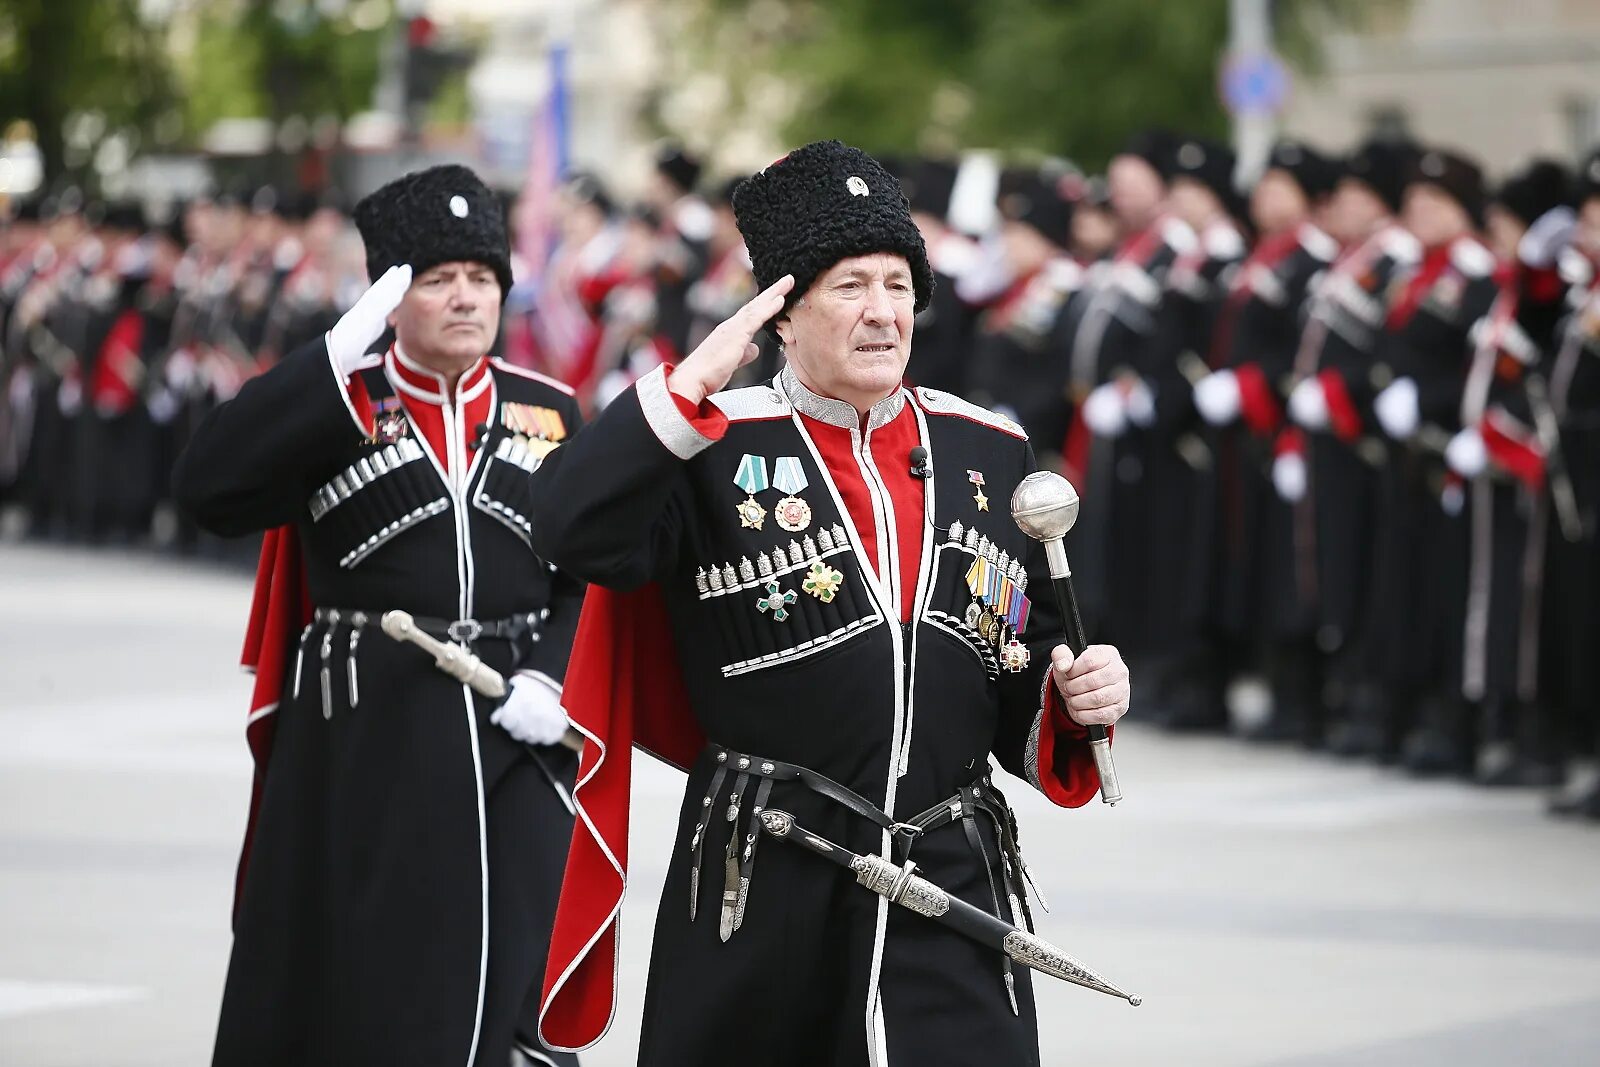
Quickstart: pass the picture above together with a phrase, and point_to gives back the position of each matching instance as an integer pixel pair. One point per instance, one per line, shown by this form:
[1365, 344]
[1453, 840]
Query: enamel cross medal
[789, 478]
[752, 478]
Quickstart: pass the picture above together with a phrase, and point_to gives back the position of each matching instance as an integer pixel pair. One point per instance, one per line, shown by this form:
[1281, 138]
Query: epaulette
[1471, 258]
[532, 375]
[752, 402]
[938, 402]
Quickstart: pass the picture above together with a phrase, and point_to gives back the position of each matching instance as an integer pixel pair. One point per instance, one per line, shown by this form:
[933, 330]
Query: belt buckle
[465, 630]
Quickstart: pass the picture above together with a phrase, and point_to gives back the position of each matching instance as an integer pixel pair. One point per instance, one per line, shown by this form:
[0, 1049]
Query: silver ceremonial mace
[1044, 506]
[459, 664]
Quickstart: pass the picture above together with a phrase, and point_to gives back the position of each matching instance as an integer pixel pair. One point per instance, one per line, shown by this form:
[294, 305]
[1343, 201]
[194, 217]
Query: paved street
[1274, 909]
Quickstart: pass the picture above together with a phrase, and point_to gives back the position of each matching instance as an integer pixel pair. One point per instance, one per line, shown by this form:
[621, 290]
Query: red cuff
[1257, 404]
[1343, 418]
[1513, 449]
[707, 419]
[1066, 770]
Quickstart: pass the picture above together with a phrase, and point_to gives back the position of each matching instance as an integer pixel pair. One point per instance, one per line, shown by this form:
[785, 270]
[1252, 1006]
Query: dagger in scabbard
[1045, 506]
[903, 886]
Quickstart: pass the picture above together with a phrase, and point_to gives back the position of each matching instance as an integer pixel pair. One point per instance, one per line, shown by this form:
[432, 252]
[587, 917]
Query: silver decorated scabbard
[903, 886]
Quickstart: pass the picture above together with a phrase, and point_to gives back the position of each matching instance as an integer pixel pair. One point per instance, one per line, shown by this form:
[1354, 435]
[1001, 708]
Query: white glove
[1308, 405]
[162, 405]
[1549, 234]
[1140, 402]
[365, 322]
[69, 397]
[532, 712]
[1216, 397]
[1466, 453]
[1289, 476]
[1105, 412]
[1397, 410]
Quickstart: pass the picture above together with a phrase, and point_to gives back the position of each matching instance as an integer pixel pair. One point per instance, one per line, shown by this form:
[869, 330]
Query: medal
[788, 477]
[750, 514]
[792, 513]
[752, 478]
[974, 610]
[1015, 656]
[389, 422]
[822, 582]
[976, 478]
[776, 602]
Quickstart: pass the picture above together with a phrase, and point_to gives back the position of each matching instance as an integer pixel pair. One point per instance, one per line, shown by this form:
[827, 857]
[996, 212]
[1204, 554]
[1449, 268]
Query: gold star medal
[752, 478]
[976, 478]
[789, 477]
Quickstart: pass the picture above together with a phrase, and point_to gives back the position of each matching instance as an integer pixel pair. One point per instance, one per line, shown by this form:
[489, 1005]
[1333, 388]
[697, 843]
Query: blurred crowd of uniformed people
[1337, 434]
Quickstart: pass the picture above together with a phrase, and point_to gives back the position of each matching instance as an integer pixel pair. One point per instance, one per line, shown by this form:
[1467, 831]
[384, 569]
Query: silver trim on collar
[837, 412]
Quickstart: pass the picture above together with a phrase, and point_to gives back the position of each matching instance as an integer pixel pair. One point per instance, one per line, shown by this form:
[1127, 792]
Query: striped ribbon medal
[752, 478]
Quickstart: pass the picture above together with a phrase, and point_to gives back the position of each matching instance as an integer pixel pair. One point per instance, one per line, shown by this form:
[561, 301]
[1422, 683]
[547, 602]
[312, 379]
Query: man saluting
[408, 836]
[814, 600]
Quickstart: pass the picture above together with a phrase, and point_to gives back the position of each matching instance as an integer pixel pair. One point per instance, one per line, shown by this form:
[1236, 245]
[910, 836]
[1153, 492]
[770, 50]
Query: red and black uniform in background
[1569, 566]
[839, 642]
[1111, 328]
[1344, 458]
[1179, 588]
[1263, 612]
[1420, 557]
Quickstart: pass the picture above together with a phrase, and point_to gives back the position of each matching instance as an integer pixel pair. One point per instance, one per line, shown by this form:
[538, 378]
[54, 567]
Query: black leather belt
[977, 798]
[510, 628]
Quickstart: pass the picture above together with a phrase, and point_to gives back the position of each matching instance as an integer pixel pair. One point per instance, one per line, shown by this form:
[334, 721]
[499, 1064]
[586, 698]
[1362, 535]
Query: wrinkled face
[1277, 203]
[1137, 191]
[1355, 211]
[450, 315]
[849, 336]
[1433, 216]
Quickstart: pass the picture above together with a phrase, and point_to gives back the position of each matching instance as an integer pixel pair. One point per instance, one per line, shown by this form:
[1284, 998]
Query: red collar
[419, 383]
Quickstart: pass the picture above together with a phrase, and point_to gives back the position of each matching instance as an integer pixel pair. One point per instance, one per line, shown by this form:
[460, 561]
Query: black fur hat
[1540, 186]
[1382, 167]
[1029, 196]
[435, 216]
[823, 203]
[1210, 163]
[1457, 175]
[678, 166]
[1155, 147]
[1315, 173]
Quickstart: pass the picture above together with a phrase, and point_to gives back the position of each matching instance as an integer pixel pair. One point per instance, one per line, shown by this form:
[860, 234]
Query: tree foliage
[98, 60]
[275, 59]
[1058, 77]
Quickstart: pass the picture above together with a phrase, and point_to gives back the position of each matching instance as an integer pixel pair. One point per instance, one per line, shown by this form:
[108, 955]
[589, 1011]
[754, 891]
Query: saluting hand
[729, 346]
[1094, 686]
[366, 320]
